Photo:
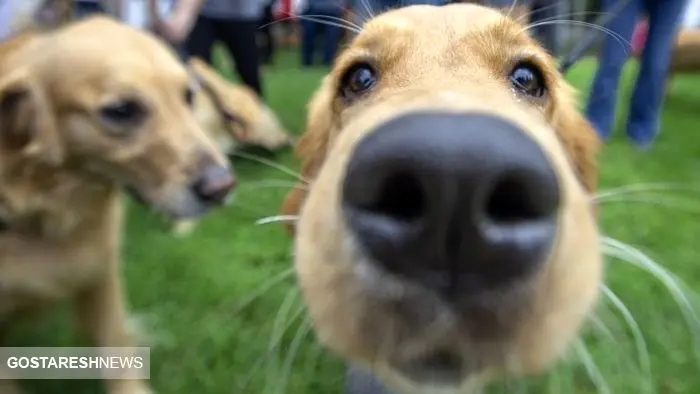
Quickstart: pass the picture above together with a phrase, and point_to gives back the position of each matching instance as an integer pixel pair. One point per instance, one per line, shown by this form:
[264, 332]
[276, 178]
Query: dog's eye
[527, 79]
[123, 113]
[358, 80]
[189, 96]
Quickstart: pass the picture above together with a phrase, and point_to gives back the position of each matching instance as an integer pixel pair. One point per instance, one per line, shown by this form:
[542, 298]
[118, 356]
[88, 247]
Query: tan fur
[255, 123]
[62, 167]
[685, 57]
[450, 58]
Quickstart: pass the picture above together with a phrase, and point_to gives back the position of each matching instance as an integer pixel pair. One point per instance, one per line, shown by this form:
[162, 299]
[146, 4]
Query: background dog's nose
[458, 202]
[214, 184]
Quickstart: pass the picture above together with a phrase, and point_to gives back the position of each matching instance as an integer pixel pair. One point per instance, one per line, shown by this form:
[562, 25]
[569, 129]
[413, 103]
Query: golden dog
[447, 236]
[86, 111]
[232, 116]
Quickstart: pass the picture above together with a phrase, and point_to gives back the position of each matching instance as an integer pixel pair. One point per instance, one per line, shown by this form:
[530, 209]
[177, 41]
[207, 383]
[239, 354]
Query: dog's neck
[52, 201]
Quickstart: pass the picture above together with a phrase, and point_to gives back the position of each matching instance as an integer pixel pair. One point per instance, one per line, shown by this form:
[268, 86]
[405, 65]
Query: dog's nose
[458, 202]
[214, 184]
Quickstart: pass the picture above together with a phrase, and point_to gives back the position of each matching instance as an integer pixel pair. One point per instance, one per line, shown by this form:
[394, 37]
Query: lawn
[210, 333]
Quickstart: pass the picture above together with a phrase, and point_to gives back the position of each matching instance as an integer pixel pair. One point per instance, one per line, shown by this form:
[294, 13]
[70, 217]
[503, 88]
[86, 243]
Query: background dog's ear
[27, 122]
[311, 148]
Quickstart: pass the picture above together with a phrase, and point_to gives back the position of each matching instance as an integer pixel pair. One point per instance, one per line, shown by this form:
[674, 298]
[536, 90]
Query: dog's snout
[214, 184]
[458, 202]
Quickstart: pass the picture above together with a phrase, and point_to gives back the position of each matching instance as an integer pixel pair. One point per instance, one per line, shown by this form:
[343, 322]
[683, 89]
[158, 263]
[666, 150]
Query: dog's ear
[311, 148]
[27, 121]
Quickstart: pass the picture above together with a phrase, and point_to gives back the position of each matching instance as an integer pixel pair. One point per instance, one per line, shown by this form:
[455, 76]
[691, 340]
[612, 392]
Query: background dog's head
[237, 108]
[447, 237]
[113, 104]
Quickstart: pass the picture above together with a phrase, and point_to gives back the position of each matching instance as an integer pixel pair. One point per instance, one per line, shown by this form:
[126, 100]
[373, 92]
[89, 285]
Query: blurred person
[200, 23]
[7, 15]
[643, 121]
[541, 14]
[85, 8]
[313, 14]
[265, 34]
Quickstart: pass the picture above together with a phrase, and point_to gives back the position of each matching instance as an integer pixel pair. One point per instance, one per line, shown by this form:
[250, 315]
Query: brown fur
[454, 58]
[63, 164]
[232, 115]
[686, 54]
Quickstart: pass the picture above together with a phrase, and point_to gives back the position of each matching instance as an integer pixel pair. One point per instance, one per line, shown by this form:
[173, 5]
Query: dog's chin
[178, 205]
[431, 376]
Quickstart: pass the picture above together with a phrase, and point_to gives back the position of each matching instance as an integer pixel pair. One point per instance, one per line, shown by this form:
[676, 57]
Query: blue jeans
[86, 8]
[359, 381]
[310, 31]
[643, 122]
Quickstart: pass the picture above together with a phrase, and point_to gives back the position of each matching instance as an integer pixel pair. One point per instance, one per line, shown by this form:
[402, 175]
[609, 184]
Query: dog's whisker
[591, 368]
[366, 5]
[645, 187]
[331, 21]
[277, 219]
[561, 16]
[640, 342]
[599, 325]
[348, 24]
[269, 184]
[272, 164]
[664, 201]
[629, 254]
[302, 332]
[512, 8]
[626, 45]
[281, 325]
[272, 348]
[264, 288]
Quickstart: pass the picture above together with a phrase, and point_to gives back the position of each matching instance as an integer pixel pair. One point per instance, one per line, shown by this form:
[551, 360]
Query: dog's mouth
[440, 369]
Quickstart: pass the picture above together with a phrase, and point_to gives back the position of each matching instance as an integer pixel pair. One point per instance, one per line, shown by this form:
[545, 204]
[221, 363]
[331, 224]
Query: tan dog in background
[86, 112]
[446, 236]
[685, 57]
[233, 116]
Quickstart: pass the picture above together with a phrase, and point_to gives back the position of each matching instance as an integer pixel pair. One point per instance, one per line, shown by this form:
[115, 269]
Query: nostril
[215, 184]
[514, 199]
[400, 197]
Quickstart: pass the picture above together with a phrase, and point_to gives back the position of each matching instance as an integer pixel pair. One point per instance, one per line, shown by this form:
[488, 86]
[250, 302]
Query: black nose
[214, 184]
[458, 202]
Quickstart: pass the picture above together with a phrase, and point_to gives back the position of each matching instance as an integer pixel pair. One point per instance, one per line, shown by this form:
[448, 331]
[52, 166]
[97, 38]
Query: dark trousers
[647, 97]
[239, 37]
[266, 40]
[83, 9]
[310, 31]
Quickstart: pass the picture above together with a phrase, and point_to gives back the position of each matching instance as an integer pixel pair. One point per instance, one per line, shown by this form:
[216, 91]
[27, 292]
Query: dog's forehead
[435, 21]
[102, 46]
[458, 32]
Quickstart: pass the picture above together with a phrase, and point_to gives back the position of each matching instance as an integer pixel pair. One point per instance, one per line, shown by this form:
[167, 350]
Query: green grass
[190, 291]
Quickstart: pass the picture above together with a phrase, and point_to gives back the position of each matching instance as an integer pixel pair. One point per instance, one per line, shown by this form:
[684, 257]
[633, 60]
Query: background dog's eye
[527, 79]
[358, 80]
[127, 112]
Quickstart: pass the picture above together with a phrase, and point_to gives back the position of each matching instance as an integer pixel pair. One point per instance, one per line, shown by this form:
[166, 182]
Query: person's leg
[239, 37]
[265, 34]
[613, 54]
[331, 40]
[359, 381]
[548, 10]
[308, 41]
[201, 39]
[84, 9]
[648, 95]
